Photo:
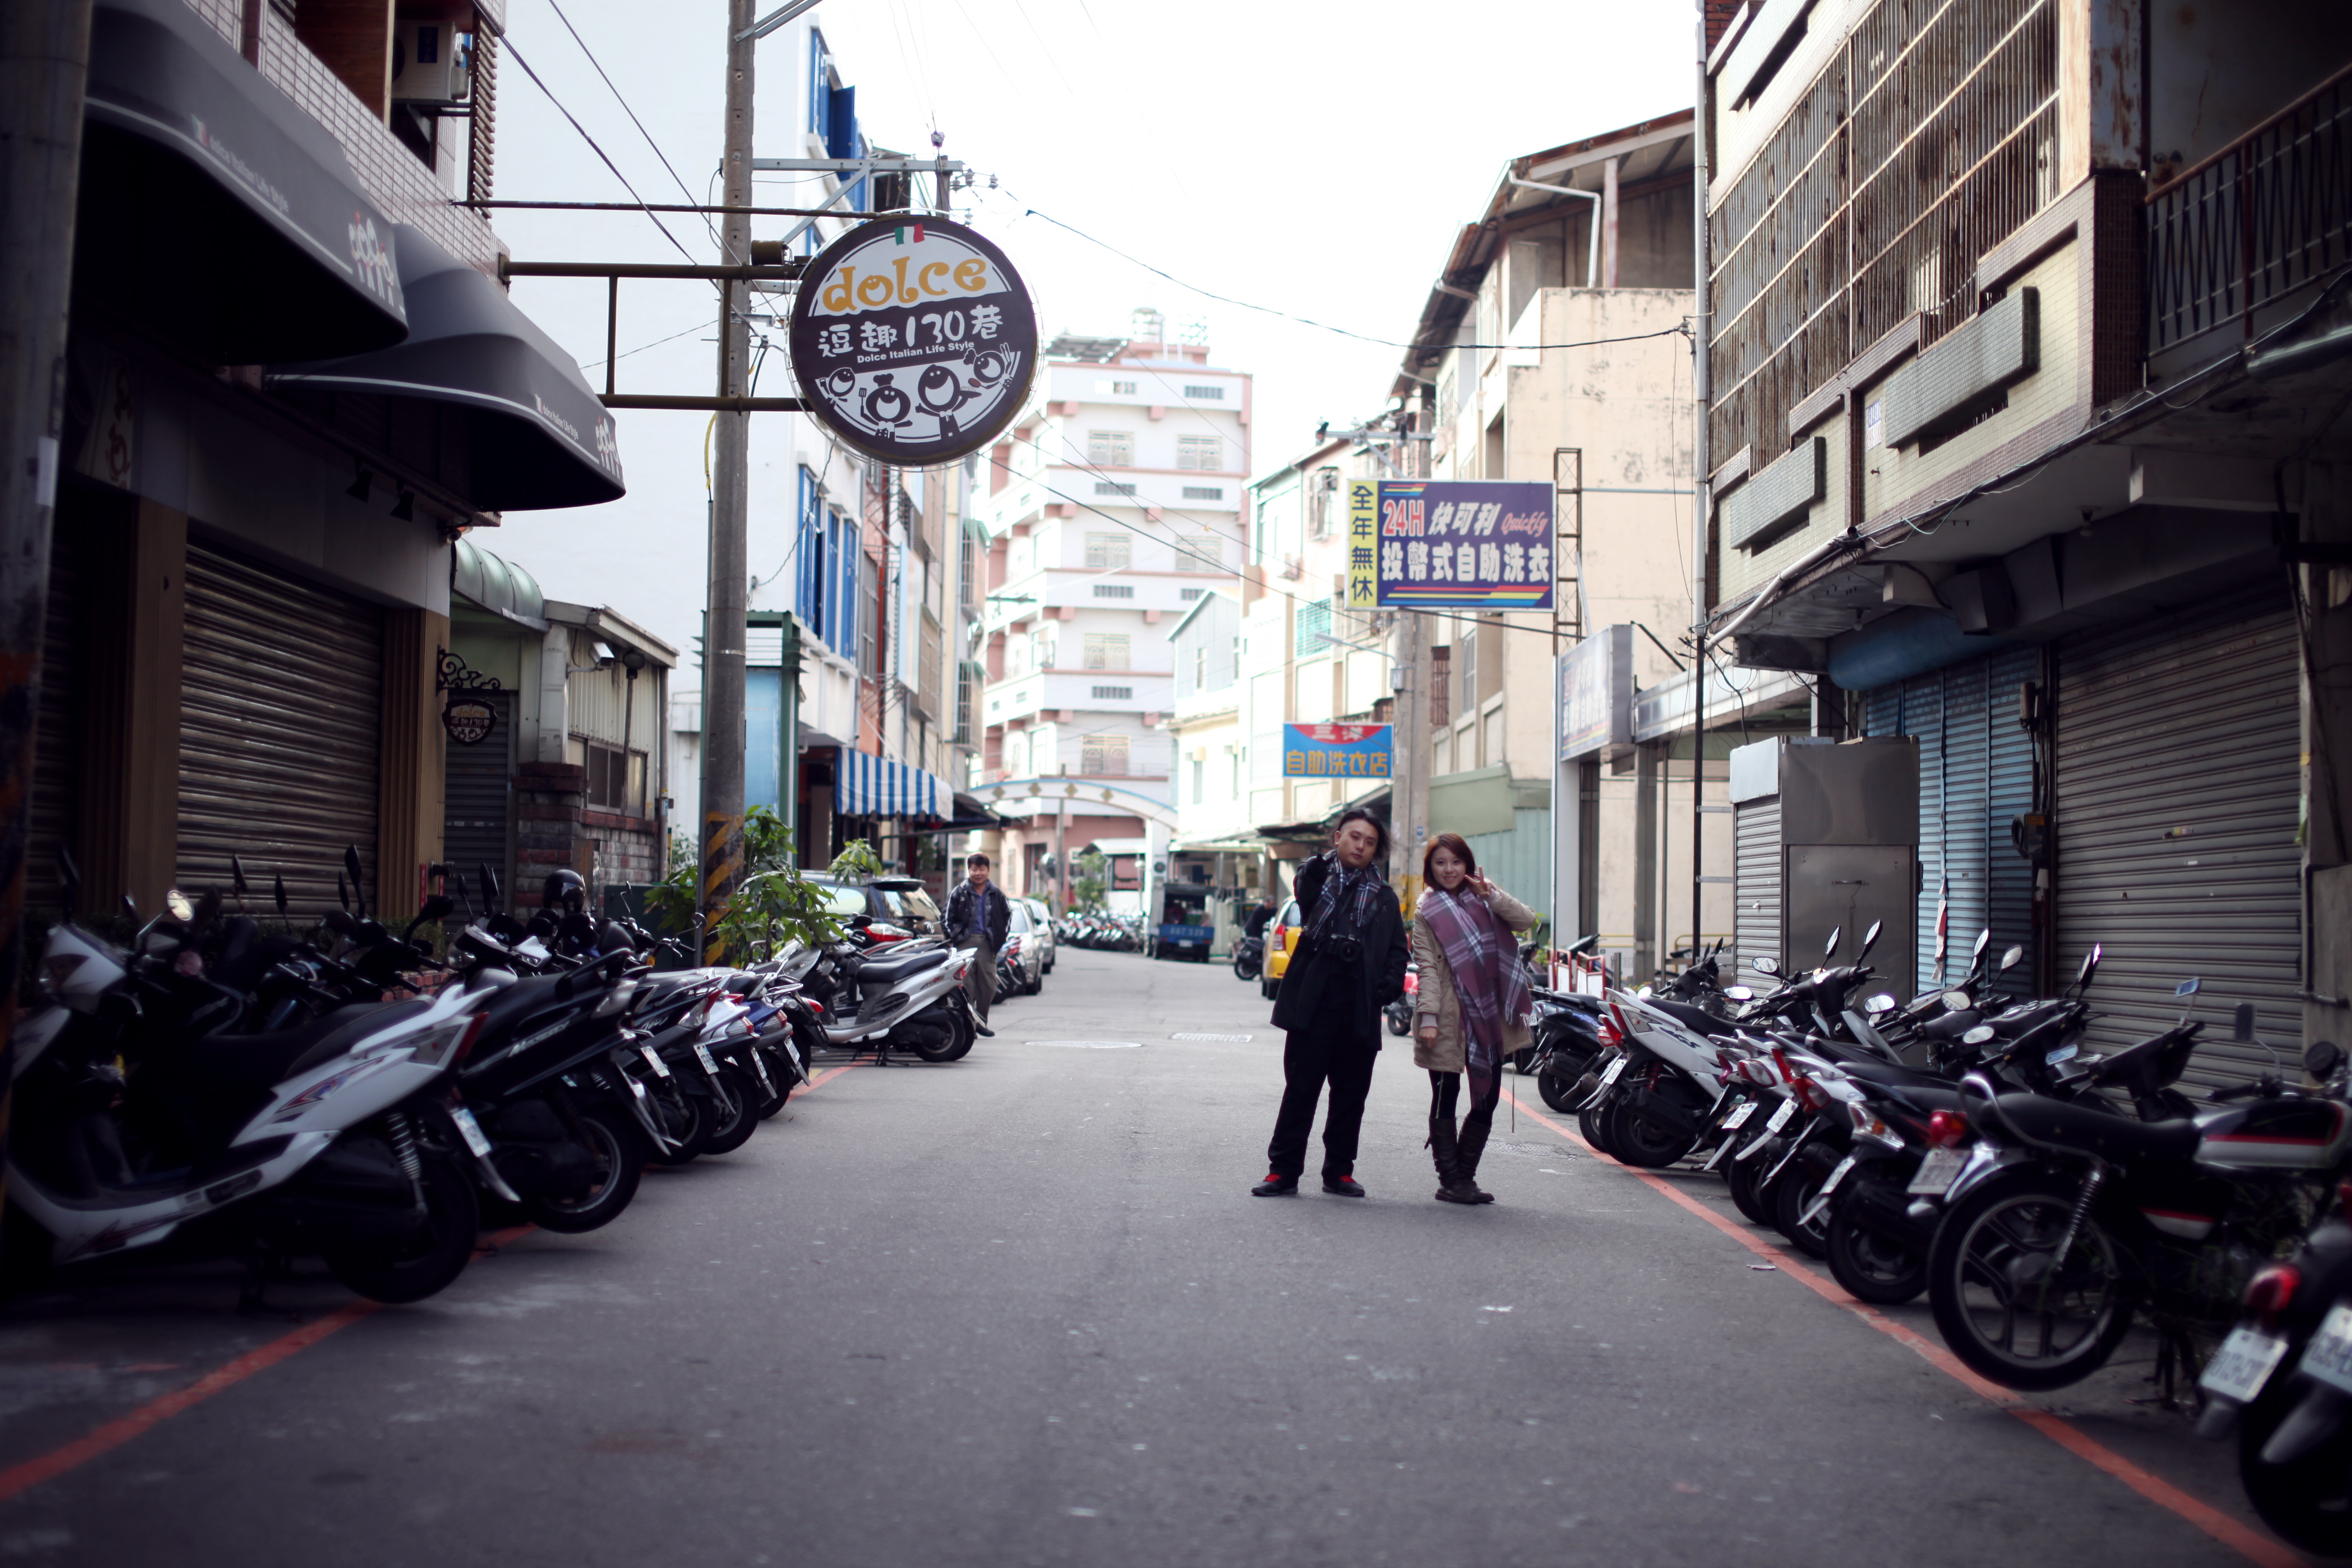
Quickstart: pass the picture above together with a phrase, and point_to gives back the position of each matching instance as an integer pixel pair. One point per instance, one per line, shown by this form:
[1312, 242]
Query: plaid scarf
[1341, 886]
[1483, 960]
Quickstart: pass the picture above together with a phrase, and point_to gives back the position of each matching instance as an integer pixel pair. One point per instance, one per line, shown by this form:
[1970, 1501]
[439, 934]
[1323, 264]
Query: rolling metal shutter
[57, 745]
[1976, 776]
[281, 724]
[2179, 800]
[478, 793]
[1756, 891]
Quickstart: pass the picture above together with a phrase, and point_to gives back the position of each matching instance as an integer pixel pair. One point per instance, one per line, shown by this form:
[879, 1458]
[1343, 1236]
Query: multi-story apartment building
[2026, 353]
[1111, 508]
[1554, 347]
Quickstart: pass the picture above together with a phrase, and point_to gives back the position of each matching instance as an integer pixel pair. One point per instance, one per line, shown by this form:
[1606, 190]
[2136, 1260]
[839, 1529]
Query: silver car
[1023, 949]
[1042, 920]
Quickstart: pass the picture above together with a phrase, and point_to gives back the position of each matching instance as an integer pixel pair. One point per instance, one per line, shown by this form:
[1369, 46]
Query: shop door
[2177, 750]
[1755, 889]
[478, 794]
[280, 730]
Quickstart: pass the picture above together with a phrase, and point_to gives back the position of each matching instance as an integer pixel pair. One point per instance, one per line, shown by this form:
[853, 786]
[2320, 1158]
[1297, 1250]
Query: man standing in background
[978, 918]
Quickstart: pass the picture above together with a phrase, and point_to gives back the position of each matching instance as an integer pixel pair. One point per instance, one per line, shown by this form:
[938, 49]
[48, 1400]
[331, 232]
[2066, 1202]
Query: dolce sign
[914, 341]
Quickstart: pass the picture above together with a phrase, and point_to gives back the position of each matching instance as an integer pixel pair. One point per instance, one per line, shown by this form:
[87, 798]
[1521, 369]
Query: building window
[1314, 627]
[1200, 553]
[1467, 658]
[1047, 645]
[1323, 504]
[1122, 389]
[1114, 693]
[1206, 393]
[1113, 488]
[1110, 449]
[612, 778]
[926, 683]
[1206, 454]
[1200, 669]
[869, 620]
[1114, 590]
[1235, 784]
[1186, 596]
[1204, 492]
[1110, 551]
[1102, 756]
[1200, 781]
[970, 676]
[1106, 650]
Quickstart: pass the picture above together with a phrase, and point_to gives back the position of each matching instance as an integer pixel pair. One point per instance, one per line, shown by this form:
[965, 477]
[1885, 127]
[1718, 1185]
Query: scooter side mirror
[2090, 963]
[277, 891]
[359, 884]
[1829, 948]
[68, 880]
[1984, 940]
[1765, 966]
[342, 892]
[2012, 957]
[176, 903]
[490, 893]
[236, 874]
[1739, 993]
[2242, 1023]
[1870, 939]
[439, 907]
[2322, 1059]
[1882, 1003]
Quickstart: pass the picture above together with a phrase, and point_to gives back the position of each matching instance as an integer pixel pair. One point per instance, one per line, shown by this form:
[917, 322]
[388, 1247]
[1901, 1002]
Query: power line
[631, 113]
[594, 147]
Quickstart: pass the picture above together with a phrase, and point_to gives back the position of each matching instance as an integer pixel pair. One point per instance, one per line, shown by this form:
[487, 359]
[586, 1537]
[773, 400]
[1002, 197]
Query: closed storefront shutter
[478, 794]
[1976, 776]
[1756, 922]
[56, 748]
[280, 730]
[2177, 802]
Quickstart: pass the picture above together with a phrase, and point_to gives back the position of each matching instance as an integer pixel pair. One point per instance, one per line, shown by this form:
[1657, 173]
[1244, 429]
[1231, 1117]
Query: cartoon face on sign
[914, 341]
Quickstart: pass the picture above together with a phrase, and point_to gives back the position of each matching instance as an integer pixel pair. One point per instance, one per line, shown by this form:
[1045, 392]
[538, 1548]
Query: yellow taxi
[1281, 939]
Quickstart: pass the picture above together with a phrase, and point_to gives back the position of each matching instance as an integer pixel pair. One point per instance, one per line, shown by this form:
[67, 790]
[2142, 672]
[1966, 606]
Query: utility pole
[722, 646]
[1700, 392]
[43, 71]
[1409, 741]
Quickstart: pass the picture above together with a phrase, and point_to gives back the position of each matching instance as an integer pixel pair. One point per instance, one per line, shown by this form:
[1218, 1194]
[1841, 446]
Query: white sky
[1314, 158]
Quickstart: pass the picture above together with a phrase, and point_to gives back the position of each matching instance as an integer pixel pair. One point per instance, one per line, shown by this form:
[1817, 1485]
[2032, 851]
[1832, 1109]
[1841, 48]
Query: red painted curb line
[2163, 1493]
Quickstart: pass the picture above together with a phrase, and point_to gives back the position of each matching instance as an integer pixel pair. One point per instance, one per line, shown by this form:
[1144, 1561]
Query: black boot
[1472, 1144]
[1450, 1188]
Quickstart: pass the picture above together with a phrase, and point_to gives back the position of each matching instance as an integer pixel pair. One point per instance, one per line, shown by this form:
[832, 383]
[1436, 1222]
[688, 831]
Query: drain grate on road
[1221, 1039]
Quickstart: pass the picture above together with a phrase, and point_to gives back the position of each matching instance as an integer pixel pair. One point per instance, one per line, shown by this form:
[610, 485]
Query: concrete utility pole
[1409, 741]
[1700, 393]
[44, 69]
[723, 638]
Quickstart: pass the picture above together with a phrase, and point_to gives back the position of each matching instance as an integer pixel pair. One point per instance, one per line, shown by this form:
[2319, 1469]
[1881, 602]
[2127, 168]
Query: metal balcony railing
[2265, 216]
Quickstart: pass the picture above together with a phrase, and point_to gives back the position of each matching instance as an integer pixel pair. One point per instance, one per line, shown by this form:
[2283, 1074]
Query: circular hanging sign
[468, 720]
[914, 341]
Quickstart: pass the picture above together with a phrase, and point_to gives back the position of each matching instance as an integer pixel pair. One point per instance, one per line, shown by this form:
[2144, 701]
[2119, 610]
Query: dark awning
[539, 435]
[212, 212]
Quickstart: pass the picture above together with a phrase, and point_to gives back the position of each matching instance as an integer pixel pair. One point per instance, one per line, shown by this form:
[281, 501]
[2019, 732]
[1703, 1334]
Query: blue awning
[867, 785]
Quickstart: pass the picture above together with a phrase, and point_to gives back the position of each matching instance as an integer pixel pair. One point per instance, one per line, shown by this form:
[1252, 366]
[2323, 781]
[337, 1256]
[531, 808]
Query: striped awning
[867, 785]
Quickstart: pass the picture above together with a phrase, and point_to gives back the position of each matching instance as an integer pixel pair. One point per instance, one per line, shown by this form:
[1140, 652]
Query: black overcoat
[1376, 979]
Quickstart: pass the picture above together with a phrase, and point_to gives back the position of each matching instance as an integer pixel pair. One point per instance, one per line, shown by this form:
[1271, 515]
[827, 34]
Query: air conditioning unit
[432, 59]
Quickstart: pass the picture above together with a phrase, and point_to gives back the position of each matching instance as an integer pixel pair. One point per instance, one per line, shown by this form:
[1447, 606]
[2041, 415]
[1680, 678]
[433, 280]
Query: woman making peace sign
[1473, 1004]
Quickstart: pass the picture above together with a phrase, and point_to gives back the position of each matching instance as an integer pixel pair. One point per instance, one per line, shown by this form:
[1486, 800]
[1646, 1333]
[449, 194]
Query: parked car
[1023, 951]
[1042, 920]
[1281, 940]
[898, 900]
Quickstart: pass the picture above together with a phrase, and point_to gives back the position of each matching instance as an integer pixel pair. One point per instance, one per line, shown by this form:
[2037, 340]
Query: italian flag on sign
[906, 232]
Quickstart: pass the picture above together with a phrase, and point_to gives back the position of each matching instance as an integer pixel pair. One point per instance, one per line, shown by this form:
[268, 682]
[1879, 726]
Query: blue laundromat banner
[867, 785]
[1335, 751]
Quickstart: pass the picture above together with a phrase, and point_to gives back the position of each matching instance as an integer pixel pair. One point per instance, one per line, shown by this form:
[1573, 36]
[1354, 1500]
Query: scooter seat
[2068, 1126]
[879, 969]
[217, 1081]
[1698, 1018]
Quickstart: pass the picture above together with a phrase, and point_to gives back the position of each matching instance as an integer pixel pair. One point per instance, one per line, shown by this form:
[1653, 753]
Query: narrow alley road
[1022, 1310]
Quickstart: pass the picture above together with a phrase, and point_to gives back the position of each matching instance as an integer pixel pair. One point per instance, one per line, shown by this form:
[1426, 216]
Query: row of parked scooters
[2044, 1197]
[1100, 930]
[219, 1088]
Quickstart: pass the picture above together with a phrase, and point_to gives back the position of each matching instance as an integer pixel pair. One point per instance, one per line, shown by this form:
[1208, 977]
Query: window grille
[1314, 626]
[1110, 449]
[1206, 393]
[1114, 693]
[1107, 551]
[1204, 492]
[1201, 552]
[1103, 755]
[1106, 650]
[1114, 590]
[1113, 488]
[1206, 454]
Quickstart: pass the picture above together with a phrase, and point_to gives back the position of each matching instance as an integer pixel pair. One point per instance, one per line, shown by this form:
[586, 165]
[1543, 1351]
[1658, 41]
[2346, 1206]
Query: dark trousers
[1331, 1051]
[1444, 1095]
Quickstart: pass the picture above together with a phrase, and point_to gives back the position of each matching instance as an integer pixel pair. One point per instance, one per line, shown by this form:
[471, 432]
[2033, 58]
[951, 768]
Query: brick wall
[548, 829]
[1719, 15]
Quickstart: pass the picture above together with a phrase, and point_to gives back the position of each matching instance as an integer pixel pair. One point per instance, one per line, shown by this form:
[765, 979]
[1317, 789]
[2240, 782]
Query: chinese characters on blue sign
[1461, 544]
[1335, 751]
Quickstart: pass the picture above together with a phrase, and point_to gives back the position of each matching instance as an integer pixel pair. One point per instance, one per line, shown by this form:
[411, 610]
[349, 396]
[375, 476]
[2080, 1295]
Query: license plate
[2243, 1364]
[1615, 1068]
[1843, 1166]
[1787, 1108]
[2329, 1357]
[653, 1060]
[635, 1087]
[2063, 1054]
[471, 1131]
[1936, 1172]
[1738, 1117]
[702, 1053]
[765, 1082]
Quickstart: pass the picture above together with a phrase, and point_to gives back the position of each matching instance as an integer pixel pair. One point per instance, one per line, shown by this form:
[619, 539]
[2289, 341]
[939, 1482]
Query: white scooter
[339, 1137]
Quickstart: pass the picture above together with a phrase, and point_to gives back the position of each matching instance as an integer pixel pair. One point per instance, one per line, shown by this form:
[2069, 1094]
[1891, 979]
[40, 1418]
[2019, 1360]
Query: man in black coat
[1349, 964]
[977, 921]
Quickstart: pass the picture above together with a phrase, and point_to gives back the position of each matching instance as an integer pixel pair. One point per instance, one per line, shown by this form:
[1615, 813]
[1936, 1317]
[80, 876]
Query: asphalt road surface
[1022, 1310]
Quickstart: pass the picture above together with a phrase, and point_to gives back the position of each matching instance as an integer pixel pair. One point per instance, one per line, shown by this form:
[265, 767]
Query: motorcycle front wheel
[736, 1105]
[686, 1118]
[618, 1145]
[1873, 1268]
[1558, 1092]
[1743, 1177]
[1639, 1140]
[2007, 1304]
[424, 1261]
[1794, 1193]
[1246, 968]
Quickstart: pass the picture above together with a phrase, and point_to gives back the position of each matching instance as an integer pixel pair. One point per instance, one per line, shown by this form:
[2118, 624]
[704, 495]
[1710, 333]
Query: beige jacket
[1438, 1002]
